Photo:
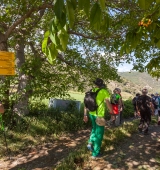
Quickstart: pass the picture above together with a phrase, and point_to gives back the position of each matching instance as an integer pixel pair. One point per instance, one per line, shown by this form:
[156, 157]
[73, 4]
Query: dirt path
[47, 156]
[139, 152]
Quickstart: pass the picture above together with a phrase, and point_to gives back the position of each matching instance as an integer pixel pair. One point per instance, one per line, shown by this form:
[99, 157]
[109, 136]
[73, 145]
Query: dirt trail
[45, 157]
[138, 152]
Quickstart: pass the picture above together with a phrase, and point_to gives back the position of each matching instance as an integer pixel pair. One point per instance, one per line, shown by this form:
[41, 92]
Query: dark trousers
[120, 120]
[145, 120]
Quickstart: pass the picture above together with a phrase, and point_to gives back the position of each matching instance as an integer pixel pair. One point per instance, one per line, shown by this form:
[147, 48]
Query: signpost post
[7, 67]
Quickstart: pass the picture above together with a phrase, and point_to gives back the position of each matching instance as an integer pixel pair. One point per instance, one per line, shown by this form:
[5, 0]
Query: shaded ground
[139, 152]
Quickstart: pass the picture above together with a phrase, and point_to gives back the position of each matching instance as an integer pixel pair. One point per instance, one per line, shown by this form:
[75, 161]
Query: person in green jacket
[97, 132]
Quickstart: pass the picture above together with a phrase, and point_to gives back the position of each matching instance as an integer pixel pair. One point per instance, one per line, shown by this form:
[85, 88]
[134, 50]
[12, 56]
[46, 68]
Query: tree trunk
[21, 105]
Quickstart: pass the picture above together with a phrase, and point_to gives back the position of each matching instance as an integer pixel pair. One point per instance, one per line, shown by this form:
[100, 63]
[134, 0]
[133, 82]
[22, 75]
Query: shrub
[128, 109]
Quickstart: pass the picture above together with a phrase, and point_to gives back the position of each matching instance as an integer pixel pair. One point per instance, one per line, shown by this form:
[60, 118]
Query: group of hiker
[94, 102]
[145, 105]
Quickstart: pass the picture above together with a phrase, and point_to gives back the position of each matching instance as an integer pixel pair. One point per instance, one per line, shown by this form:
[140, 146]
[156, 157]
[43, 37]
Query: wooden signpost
[7, 63]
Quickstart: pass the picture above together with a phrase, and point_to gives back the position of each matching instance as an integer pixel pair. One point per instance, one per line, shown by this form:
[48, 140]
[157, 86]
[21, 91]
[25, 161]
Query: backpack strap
[101, 101]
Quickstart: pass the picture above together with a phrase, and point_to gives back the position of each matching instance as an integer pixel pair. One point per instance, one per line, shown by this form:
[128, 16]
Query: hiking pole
[3, 129]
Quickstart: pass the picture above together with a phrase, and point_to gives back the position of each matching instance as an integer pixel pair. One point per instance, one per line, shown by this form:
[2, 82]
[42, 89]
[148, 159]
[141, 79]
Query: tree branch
[27, 15]
[83, 35]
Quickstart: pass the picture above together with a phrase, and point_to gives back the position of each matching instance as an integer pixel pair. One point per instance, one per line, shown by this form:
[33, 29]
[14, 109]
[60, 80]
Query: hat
[98, 82]
[156, 93]
[118, 89]
[138, 94]
[100, 121]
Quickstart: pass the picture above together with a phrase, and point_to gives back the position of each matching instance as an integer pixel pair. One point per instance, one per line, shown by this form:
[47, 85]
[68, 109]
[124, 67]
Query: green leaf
[145, 4]
[70, 13]
[102, 4]
[141, 4]
[63, 19]
[96, 14]
[80, 4]
[54, 38]
[157, 1]
[51, 53]
[63, 36]
[158, 44]
[74, 4]
[53, 27]
[45, 41]
[58, 8]
[86, 7]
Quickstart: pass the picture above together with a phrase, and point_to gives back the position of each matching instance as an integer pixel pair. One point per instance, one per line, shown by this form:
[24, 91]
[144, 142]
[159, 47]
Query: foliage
[42, 124]
[128, 109]
[105, 18]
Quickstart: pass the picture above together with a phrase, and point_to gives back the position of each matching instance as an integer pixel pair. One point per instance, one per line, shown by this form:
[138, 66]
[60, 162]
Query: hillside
[133, 82]
[142, 79]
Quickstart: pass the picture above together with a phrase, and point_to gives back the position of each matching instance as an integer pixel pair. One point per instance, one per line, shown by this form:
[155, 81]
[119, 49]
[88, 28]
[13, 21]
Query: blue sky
[125, 67]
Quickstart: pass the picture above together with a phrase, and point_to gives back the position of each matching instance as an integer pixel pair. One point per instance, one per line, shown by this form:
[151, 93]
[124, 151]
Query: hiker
[156, 104]
[158, 111]
[121, 106]
[144, 107]
[97, 132]
[134, 102]
[115, 102]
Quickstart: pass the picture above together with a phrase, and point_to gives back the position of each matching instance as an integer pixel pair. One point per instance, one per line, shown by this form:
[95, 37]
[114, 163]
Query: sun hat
[99, 82]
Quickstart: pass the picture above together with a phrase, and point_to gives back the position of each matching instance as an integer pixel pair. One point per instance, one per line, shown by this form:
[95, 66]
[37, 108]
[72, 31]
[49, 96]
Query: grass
[80, 97]
[112, 137]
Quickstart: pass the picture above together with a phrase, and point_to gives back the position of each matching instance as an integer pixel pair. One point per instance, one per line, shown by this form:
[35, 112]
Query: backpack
[159, 101]
[143, 103]
[90, 100]
[134, 100]
[113, 99]
[155, 103]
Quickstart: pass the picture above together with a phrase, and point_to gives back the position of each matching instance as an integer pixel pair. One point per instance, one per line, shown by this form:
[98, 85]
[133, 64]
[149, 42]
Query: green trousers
[96, 136]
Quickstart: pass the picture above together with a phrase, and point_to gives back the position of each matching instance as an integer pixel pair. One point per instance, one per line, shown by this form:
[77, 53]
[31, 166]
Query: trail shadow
[49, 155]
[136, 152]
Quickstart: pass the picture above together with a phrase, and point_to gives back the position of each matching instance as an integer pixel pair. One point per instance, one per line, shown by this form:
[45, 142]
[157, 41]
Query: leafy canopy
[127, 29]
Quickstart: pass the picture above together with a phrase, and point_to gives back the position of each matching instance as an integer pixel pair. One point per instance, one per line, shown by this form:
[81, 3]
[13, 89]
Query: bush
[128, 109]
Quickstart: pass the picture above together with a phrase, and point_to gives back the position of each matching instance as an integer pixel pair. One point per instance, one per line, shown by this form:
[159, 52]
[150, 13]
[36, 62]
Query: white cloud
[125, 67]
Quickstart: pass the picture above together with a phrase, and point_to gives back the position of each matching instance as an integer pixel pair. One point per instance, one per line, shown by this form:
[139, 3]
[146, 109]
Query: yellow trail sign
[7, 70]
[7, 63]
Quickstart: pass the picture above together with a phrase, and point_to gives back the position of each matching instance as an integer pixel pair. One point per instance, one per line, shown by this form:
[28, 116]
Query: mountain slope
[142, 80]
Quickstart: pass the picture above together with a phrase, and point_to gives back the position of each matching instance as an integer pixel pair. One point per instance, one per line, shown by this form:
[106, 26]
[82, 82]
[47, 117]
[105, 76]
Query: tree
[22, 26]
[129, 28]
[17, 20]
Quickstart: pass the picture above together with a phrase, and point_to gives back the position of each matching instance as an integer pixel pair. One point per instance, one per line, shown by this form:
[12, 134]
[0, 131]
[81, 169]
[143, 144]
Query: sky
[125, 67]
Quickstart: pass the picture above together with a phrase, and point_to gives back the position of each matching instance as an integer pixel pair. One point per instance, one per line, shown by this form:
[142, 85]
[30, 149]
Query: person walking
[144, 107]
[121, 106]
[97, 132]
[134, 102]
[116, 104]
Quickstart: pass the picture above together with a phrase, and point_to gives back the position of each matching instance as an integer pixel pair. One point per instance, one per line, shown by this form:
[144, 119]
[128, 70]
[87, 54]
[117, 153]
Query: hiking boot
[96, 157]
[140, 130]
[145, 132]
[90, 147]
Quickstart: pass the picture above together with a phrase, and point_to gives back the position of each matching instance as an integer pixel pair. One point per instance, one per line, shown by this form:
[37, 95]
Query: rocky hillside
[133, 82]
